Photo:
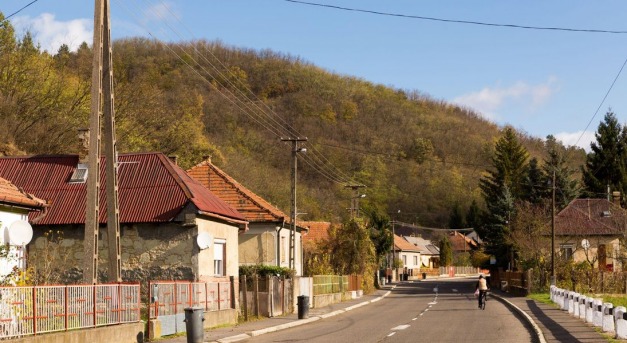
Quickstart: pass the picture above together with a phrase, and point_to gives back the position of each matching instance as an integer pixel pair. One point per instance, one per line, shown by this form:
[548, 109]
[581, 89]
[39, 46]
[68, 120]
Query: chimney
[616, 197]
[174, 158]
[206, 158]
[83, 147]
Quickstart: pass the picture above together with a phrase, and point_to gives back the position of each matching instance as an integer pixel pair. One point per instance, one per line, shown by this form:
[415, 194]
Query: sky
[542, 82]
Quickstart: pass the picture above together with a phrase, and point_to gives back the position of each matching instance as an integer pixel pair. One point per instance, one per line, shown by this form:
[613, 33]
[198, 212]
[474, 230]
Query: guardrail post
[620, 313]
[582, 307]
[608, 318]
[589, 309]
[597, 316]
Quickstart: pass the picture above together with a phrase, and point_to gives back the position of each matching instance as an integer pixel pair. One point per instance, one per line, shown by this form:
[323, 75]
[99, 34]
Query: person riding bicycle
[482, 287]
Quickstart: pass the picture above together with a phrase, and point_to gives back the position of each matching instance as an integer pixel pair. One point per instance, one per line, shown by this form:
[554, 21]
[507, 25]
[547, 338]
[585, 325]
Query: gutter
[243, 224]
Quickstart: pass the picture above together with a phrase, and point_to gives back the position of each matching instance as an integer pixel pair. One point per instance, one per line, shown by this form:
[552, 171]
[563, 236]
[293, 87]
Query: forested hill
[413, 153]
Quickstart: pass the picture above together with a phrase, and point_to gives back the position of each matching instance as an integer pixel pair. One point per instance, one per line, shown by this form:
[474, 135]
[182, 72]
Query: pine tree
[534, 187]
[446, 252]
[473, 216]
[456, 220]
[605, 164]
[566, 186]
[500, 188]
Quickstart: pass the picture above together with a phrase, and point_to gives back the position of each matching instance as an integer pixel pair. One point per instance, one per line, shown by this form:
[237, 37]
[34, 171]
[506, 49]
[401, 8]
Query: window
[566, 251]
[219, 256]
[404, 260]
[415, 260]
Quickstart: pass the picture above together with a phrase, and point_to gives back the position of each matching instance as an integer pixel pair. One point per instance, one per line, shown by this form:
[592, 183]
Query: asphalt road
[413, 312]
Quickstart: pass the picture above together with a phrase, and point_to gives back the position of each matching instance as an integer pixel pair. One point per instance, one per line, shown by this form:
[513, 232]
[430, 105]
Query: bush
[264, 270]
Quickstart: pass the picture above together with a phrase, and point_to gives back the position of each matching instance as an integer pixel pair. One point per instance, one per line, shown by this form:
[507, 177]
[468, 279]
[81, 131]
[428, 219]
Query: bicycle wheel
[483, 299]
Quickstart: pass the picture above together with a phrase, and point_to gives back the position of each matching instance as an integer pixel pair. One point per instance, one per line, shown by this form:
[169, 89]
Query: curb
[530, 320]
[299, 322]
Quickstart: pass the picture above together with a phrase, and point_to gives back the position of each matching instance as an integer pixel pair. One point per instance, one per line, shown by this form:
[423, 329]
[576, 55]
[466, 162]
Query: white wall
[15, 257]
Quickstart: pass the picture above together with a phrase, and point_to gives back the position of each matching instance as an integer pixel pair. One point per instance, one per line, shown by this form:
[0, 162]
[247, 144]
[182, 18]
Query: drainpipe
[278, 243]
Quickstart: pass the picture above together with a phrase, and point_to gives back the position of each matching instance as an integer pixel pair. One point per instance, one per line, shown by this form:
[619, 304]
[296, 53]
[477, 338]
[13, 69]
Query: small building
[591, 230]
[409, 256]
[267, 240]
[162, 210]
[15, 205]
[429, 253]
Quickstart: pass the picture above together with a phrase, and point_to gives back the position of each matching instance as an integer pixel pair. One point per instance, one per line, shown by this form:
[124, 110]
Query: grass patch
[544, 298]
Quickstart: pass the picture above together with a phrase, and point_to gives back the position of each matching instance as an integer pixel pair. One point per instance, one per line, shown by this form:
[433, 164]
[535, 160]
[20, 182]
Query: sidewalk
[556, 325]
[249, 329]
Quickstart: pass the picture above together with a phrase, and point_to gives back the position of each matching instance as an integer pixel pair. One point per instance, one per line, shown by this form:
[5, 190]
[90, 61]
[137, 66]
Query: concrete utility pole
[102, 105]
[355, 199]
[295, 151]
[553, 280]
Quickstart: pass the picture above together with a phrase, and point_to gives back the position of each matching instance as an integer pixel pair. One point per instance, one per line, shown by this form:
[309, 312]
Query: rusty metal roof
[151, 188]
[587, 217]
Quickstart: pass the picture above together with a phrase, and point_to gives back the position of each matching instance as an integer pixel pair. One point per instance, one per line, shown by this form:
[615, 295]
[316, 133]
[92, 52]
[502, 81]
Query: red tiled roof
[10, 194]
[317, 231]
[253, 207]
[460, 242]
[151, 188]
[584, 217]
[400, 244]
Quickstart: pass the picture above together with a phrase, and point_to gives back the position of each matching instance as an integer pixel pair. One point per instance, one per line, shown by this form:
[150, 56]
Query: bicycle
[482, 300]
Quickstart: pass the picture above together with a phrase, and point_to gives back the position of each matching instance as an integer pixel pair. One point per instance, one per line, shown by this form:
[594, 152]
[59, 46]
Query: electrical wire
[20, 10]
[276, 124]
[454, 21]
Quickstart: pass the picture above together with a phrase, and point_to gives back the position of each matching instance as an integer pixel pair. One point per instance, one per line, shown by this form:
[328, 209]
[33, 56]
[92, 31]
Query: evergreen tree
[456, 220]
[605, 164]
[566, 187]
[500, 188]
[534, 187]
[446, 251]
[473, 216]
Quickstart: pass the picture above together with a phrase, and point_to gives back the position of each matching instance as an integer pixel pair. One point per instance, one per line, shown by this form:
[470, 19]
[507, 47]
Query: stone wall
[156, 251]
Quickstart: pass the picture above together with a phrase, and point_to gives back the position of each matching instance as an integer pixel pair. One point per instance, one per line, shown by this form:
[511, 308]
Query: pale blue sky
[542, 82]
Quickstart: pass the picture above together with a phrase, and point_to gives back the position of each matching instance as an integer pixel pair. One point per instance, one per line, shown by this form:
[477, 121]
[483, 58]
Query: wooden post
[256, 294]
[244, 295]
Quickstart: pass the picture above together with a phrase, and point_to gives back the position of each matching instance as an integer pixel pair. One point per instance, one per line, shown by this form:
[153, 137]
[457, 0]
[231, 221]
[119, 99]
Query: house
[163, 213]
[409, 256]
[267, 239]
[429, 253]
[316, 232]
[15, 204]
[460, 243]
[590, 230]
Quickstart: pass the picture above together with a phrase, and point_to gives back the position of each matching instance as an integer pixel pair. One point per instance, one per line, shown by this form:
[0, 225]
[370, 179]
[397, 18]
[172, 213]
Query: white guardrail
[611, 320]
[33, 310]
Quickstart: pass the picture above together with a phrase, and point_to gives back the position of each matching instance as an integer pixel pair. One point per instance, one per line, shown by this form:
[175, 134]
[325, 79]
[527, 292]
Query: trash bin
[194, 316]
[424, 276]
[303, 306]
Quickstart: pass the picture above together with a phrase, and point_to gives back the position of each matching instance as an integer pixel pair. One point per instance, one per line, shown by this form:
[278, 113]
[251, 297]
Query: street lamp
[355, 204]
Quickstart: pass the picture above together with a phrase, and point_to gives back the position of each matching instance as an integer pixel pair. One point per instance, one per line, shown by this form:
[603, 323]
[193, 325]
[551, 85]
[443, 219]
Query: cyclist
[482, 287]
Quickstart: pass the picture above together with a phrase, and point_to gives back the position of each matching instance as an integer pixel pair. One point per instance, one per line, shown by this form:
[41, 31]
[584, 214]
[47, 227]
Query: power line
[455, 21]
[20, 10]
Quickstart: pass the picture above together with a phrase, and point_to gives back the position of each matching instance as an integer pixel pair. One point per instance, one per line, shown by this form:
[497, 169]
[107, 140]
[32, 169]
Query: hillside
[413, 153]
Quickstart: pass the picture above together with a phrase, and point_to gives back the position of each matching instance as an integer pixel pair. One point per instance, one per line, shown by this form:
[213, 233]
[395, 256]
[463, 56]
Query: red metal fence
[172, 297]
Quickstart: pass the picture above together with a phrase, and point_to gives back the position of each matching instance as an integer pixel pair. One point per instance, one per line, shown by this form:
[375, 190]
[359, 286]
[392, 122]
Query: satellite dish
[20, 233]
[204, 240]
[585, 244]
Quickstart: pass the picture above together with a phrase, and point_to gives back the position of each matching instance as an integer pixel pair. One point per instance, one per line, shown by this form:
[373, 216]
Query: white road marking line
[400, 327]
[422, 313]
[391, 334]
[432, 303]
[414, 318]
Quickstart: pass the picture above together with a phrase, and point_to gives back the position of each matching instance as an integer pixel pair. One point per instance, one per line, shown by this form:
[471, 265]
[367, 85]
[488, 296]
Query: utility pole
[102, 106]
[292, 238]
[553, 280]
[355, 199]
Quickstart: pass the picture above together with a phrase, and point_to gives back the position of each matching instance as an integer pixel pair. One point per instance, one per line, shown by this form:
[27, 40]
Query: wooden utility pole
[295, 151]
[102, 106]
